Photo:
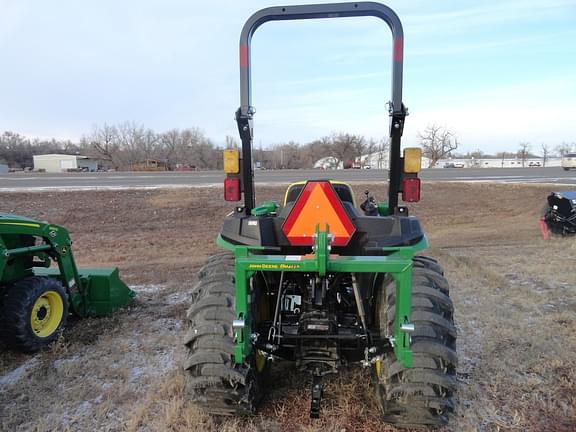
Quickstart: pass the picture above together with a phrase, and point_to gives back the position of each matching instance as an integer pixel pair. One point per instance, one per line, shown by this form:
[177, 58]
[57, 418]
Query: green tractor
[35, 298]
[320, 282]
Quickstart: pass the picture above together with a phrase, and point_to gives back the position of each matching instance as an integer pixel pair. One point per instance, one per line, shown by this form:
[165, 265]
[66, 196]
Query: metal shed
[62, 163]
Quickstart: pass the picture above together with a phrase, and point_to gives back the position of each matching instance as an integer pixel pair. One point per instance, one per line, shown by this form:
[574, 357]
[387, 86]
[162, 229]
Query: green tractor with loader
[40, 284]
[320, 282]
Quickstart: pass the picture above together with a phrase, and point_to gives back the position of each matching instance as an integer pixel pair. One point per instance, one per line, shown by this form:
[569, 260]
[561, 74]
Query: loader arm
[91, 291]
[57, 245]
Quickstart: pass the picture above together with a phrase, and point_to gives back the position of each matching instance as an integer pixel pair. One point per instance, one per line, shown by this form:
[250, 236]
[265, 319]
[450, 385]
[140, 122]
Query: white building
[328, 162]
[55, 163]
[496, 163]
[380, 160]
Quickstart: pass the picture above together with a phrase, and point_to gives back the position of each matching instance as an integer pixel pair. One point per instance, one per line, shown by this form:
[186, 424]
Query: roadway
[143, 180]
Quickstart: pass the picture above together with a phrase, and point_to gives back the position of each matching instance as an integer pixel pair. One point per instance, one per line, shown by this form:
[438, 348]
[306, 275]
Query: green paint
[242, 335]
[267, 208]
[225, 244]
[321, 250]
[398, 263]
[91, 291]
[383, 208]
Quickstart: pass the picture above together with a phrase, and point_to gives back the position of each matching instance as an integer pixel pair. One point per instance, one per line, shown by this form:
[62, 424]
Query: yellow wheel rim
[47, 314]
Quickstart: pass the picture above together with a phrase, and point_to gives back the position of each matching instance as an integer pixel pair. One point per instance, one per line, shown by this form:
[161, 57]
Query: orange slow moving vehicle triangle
[318, 204]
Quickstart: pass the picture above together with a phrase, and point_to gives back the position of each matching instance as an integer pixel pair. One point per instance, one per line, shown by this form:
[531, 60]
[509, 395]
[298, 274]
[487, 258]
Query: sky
[496, 73]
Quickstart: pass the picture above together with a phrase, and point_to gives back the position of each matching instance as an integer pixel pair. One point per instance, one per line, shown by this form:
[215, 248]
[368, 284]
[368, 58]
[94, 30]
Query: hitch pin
[238, 324]
[407, 327]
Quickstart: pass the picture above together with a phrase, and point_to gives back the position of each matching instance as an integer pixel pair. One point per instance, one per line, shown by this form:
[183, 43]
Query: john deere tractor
[40, 284]
[318, 281]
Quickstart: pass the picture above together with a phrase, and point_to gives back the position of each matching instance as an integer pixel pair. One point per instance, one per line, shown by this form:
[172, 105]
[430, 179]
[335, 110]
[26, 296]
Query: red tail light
[232, 189]
[411, 189]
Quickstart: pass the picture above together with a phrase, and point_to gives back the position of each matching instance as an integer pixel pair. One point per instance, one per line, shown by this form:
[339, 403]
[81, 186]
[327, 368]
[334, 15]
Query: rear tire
[427, 262]
[554, 227]
[34, 313]
[218, 384]
[214, 265]
[423, 394]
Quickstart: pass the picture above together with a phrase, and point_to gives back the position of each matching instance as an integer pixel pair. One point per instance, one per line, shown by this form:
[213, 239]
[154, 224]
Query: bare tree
[314, 151]
[198, 150]
[564, 148]
[171, 144]
[150, 145]
[231, 142]
[545, 153]
[16, 150]
[383, 149]
[347, 147]
[437, 142]
[206, 155]
[104, 143]
[503, 156]
[292, 155]
[523, 152]
[287, 156]
[369, 150]
[130, 139]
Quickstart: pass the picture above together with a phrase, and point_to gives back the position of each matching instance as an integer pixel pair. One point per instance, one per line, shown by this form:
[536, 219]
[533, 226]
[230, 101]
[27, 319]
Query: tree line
[123, 145]
[439, 142]
[118, 147]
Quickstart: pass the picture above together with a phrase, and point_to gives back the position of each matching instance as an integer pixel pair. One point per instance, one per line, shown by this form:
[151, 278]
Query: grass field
[514, 294]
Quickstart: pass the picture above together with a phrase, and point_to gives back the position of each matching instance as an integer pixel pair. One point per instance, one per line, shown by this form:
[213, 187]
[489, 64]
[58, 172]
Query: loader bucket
[106, 292]
[102, 292]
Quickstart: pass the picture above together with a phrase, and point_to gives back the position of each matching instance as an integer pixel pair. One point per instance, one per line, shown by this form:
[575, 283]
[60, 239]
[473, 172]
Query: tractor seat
[343, 190]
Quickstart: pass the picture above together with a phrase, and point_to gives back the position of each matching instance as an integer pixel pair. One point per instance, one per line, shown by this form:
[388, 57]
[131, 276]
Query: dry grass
[514, 296]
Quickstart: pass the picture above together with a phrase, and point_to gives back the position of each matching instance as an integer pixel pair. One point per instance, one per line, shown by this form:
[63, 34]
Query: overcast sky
[494, 72]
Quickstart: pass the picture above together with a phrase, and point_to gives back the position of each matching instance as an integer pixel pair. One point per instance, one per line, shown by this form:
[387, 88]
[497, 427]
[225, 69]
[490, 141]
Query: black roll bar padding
[316, 11]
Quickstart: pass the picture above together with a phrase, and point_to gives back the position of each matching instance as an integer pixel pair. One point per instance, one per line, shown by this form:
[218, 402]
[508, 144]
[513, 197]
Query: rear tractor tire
[424, 394]
[218, 384]
[34, 313]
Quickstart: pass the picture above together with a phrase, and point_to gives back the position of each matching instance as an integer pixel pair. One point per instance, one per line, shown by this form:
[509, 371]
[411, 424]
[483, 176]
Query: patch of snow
[166, 362]
[177, 298]
[83, 409]
[135, 373]
[14, 376]
[147, 289]
[163, 324]
[62, 363]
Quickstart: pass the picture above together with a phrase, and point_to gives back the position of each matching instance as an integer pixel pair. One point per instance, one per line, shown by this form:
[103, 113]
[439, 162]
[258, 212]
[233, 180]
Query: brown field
[514, 294]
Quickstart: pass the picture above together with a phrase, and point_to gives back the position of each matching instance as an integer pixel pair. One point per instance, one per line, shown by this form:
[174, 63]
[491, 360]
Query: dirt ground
[514, 296]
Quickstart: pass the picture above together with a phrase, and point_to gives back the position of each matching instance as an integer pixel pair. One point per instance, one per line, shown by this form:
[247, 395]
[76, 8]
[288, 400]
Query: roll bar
[314, 11]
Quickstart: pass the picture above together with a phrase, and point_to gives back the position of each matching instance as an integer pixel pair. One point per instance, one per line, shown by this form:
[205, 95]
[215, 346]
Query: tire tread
[218, 385]
[424, 394]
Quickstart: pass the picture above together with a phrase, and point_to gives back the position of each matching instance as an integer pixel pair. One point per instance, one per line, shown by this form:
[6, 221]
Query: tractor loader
[36, 297]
